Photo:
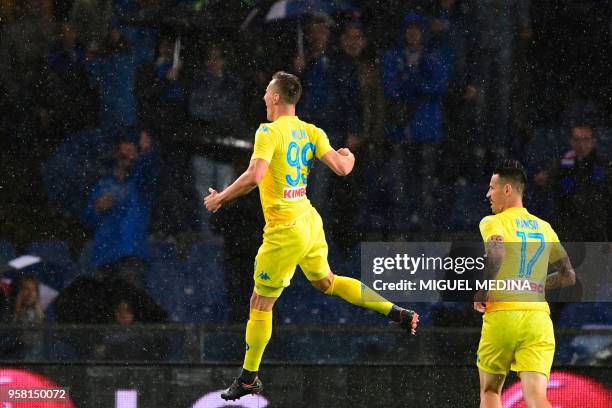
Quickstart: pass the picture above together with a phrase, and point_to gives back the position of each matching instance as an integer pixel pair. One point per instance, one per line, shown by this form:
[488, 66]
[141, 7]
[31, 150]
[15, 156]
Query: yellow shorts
[299, 242]
[517, 340]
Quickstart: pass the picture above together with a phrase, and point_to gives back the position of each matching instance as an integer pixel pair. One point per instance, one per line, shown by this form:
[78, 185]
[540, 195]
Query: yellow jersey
[290, 147]
[530, 245]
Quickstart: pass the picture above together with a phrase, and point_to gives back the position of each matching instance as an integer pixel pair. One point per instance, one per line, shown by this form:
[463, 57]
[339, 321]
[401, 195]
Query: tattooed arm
[563, 276]
[495, 256]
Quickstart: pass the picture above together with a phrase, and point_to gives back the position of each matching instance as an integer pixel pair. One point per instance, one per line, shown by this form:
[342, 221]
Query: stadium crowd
[117, 116]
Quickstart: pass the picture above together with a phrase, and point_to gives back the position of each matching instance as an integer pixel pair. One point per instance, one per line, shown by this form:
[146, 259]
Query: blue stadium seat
[580, 314]
[54, 251]
[205, 253]
[205, 297]
[165, 284]
[204, 283]
[7, 251]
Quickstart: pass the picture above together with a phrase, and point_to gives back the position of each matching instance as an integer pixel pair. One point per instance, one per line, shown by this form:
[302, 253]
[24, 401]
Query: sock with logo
[258, 333]
[355, 292]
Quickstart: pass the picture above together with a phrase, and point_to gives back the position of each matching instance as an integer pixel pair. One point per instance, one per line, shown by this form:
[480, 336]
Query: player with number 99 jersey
[294, 230]
[290, 146]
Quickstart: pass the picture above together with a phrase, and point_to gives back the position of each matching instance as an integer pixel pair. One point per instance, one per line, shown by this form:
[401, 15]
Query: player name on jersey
[295, 193]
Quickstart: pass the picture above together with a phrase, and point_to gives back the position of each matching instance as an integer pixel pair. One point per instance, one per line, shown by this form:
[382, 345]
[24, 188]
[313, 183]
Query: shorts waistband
[290, 222]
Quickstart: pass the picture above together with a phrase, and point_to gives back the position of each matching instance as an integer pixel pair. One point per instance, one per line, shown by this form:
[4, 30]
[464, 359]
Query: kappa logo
[263, 276]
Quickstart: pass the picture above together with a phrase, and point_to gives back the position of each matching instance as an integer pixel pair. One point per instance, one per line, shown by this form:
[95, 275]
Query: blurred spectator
[124, 315]
[161, 92]
[346, 208]
[215, 107]
[353, 44]
[74, 100]
[581, 184]
[162, 98]
[455, 32]
[125, 344]
[501, 23]
[119, 211]
[330, 85]
[112, 72]
[415, 79]
[25, 308]
[25, 305]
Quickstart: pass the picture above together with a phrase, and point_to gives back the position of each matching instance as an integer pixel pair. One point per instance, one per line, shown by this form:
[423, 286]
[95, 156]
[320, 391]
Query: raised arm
[340, 161]
[243, 185]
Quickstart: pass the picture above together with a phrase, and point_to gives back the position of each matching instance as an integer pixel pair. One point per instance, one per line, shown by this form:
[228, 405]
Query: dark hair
[513, 172]
[18, 284]
[127, 134]
[288, 87]
[583, 125]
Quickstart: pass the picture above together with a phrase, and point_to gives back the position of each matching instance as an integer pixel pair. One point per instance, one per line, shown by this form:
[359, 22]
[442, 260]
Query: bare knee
[324, 284]
[264, 303]
[536, 398]
[534, 389]
[490, 389]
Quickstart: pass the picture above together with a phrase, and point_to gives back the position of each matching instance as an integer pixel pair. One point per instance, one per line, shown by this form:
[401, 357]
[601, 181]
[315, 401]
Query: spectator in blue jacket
[113, 73]
[331, 85]
[119, 208]
[415, 79]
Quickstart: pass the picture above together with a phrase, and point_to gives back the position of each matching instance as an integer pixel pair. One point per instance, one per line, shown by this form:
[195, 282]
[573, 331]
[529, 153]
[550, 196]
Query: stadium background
[54, 137]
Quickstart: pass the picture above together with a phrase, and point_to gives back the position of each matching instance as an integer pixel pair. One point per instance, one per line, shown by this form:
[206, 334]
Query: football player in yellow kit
[517, 333]
[283, 155]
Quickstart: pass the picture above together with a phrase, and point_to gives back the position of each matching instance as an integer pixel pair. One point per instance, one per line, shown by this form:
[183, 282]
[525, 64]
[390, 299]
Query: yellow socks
[350, 290]
[258, 333]
[259, 326]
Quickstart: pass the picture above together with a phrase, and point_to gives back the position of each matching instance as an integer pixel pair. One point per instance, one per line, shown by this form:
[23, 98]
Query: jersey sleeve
[264, 144]
[322, 146]
[557, 251]
[490, 226]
